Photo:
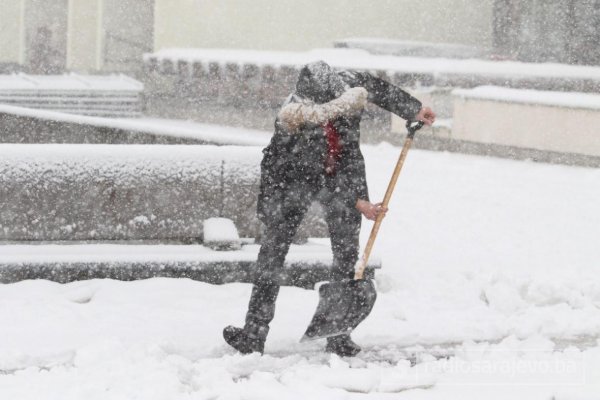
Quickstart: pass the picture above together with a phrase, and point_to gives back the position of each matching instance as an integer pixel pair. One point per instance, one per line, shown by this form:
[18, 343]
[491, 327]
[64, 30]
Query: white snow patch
[220, 230]
[72, 82]
[542, 97]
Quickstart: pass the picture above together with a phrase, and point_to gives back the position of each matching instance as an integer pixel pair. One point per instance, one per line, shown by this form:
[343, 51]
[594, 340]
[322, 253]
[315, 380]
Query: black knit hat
[319, 82]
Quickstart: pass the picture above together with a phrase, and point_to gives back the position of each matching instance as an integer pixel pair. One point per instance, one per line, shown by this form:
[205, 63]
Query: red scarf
[334, 148]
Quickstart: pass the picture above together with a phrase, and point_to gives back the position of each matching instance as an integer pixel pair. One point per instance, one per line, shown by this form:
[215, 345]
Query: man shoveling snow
[314, 155]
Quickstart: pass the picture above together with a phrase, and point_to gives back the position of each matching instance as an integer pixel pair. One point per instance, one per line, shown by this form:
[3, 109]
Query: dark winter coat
[293, 166]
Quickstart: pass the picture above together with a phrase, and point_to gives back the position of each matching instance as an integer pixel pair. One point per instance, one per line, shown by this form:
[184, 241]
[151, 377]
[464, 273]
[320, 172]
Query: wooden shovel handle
[412, 128]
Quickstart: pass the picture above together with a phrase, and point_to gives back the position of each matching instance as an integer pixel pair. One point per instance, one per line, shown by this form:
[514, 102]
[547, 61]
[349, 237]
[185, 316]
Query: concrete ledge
[305, 265]
[411, 48]
[431, 142]
[439, 138]
[24, 125]
[539, 120]
[29, 129]
[99, 95]
[269, 74]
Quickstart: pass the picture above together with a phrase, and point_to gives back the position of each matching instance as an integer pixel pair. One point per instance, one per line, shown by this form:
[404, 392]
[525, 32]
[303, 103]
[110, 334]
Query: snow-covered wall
[131, 192]
[111, 192]
[190, 62]
[542, 120]
[24, 125]
[245, 87]
[96, 95]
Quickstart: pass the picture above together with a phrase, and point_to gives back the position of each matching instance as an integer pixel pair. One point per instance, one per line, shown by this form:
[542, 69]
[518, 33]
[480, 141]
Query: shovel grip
[412, 127]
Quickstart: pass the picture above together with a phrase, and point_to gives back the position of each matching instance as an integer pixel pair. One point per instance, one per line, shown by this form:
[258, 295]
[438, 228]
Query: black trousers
[343, 221]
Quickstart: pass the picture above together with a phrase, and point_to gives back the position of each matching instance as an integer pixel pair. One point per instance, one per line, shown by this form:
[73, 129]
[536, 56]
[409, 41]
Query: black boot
[342, 345]
[240, 340]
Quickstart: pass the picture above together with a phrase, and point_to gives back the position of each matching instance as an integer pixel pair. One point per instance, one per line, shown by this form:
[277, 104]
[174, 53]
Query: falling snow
[131, 134]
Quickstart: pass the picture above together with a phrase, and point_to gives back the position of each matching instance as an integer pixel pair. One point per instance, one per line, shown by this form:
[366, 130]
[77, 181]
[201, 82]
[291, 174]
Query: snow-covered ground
[490, 284]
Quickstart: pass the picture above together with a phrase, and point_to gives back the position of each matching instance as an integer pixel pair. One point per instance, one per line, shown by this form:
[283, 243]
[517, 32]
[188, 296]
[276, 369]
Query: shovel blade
[342, 306]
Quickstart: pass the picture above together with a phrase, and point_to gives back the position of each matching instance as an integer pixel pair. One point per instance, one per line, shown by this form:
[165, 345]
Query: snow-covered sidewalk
[489, 283]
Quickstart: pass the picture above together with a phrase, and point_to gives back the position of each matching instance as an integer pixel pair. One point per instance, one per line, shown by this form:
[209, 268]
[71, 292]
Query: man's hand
[369, 210]
[426, 115]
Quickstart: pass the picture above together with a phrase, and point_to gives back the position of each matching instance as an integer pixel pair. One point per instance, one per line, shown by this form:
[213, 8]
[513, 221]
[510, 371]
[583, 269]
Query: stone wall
[231, 89]
[235, 94]
[134, 192]
[31, 129]
[545, 121]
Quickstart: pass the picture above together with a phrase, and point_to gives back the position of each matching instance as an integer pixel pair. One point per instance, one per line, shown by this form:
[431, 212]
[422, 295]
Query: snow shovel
[345, 304]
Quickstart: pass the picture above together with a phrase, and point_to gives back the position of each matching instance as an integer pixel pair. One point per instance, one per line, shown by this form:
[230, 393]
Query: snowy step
[304, 266]
[112, 95]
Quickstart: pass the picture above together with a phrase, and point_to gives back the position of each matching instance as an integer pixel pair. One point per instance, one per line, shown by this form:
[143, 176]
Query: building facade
[302, 25]
[48, 37]
[565, 31]
[41, 36]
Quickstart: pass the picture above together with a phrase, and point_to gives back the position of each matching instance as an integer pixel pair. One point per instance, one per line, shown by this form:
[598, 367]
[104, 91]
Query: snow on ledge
[312, 252]
[69, 83]
[363, 60]
[386, 46]
[537, 97]
[130, 155]
[214, 134]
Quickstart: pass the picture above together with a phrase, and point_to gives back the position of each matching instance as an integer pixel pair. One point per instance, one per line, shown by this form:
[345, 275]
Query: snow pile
[489, 285]
[220, 233]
